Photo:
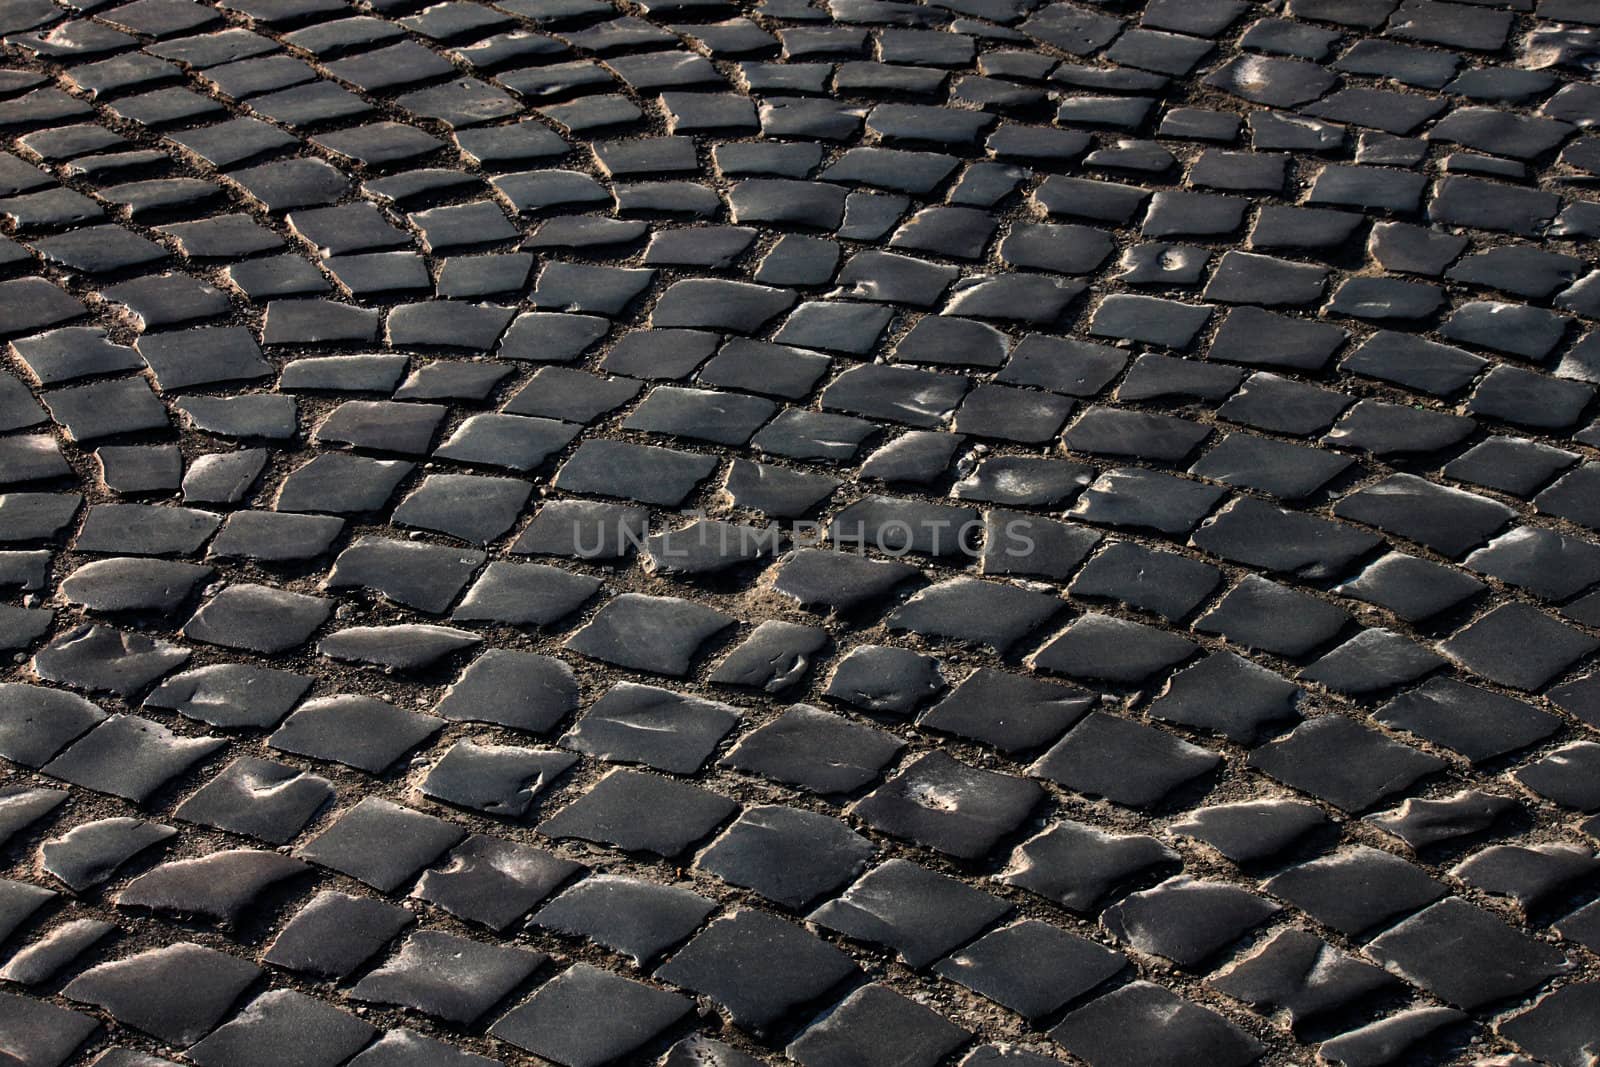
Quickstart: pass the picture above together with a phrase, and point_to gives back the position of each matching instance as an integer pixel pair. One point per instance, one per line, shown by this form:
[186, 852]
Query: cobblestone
[721, 531]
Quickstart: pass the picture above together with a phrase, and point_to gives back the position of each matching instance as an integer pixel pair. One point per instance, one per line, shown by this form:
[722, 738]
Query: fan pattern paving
[987, 532]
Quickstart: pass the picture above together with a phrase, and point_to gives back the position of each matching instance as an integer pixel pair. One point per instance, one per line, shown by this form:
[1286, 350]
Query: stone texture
[770, 529]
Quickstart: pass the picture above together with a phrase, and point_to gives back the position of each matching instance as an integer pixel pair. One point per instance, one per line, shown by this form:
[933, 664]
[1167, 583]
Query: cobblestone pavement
[701, 532]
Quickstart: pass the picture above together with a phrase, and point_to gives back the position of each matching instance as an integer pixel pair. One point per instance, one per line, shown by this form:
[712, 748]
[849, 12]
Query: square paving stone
[448, 380]
[1303, 975]
[1106, 648]
[1251, 830]
[105, 409]
[787, 855]
[1229, 695]
[1356, 889]
[1164, 583]
[1371, 661]
[422, 576]
[552, 337]
[129, 469]
[1284, 405]
[32, 458]
[216, 888]
[583, 529]
[776, 656]
[1138, 498]
[475, 509]
[499, 780]
[641, 813]
[837, 582]
[815, 750]
[948, 806]
[407, 1048]
[637, 918]
[100, 658]
[1264, 616]
[885, 680]
[1422, 822]
[381, 843]
[1509, 464]
[1031, 967]
[30, 304]
[361, 732]
[1012, 712]
[492, 881]
[700, 414]
[167, 300]
[21, 807]
[21, 627]
[1449, 521]
[258, 618]
[1384, 429]
[874, 1025]
[659, 728]
[1566, 776]
[1018, 481]
[145, 530]
[37, 722]
[281, 1025]
[758, 967]
[39, 1034]
[1413, 362]
[778, 492]
[341, 485]
[1549, 565]
[661, 635]
[1126, 762]
[1338, 760]
[91, 852]
[512, 442]
[586, 1017]
[1466, 956]
[574, 395]
[335, 933]
[274, 536]
[451, 978]
[707, 546]
[1556, 1029]
[1477, 723]
[1186, 920]
[1152, 320]
[382, 426]
[73, 352]
[1530, 877]
[919, 913]
[1414, 589]
[202, 356]
[177, 992]
[642, 473]
[411, 647]
[231, 694]
[269, 801]
[978, 612]
[312, 322]
[129, 757]
[1144, 1025]
[1519, 646]
[904, 395]
[521, 690]
[251, 415]
[18, 903]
